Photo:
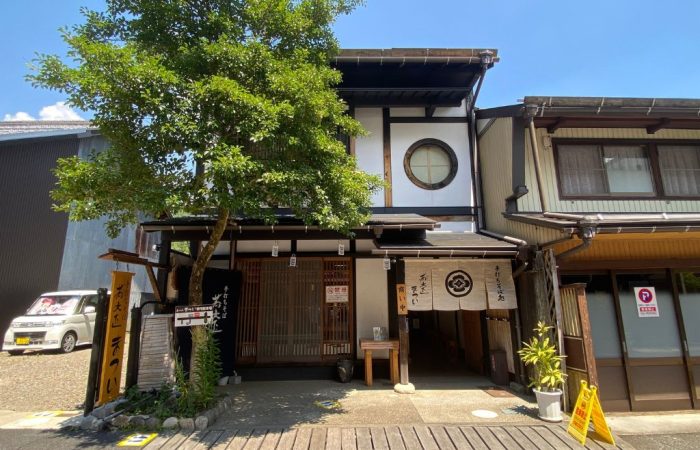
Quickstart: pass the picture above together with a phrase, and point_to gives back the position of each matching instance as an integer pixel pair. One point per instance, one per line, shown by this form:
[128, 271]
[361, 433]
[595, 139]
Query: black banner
[221, 288]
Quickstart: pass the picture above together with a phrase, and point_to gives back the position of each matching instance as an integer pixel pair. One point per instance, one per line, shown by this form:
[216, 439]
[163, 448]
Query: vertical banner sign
[646, 302]
[117, 313]
[419, 285]
[402, 306]
[499, 284]
[587, 408]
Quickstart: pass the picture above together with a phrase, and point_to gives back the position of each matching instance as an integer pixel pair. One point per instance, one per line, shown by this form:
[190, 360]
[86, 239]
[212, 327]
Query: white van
[56, 320]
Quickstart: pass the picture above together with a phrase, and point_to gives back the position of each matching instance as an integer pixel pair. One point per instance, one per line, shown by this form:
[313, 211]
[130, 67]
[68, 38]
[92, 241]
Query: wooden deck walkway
[428, 437]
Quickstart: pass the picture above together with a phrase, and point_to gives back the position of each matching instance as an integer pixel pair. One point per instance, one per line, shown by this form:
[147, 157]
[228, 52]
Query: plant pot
[346, 368]
[549, 403]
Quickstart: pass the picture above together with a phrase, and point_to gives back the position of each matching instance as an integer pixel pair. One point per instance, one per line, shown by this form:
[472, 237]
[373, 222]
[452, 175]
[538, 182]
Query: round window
[430, 164]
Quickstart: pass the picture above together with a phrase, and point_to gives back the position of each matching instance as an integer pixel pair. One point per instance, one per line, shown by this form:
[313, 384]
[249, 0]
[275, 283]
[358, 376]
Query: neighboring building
[41, 250]
[417, 106]
[606, 192]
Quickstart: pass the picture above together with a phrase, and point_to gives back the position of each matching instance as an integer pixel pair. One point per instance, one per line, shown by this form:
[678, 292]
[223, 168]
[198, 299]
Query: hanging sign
[646, 302]
[337, 294]
[189, 316]
[113, 356]
[500, 287]
[419, 284]
[341, 249]
[588, 409]
[402, 306]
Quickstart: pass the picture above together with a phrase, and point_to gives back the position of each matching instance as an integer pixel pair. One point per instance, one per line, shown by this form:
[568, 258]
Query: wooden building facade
[610, 189]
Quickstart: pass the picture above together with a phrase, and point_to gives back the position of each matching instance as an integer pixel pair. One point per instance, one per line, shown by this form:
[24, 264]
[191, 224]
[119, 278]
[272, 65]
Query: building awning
[605, 223]
[287, 226]
[440, 243]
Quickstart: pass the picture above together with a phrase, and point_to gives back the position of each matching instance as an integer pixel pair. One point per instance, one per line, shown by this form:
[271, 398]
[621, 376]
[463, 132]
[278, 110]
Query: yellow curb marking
[137, 440]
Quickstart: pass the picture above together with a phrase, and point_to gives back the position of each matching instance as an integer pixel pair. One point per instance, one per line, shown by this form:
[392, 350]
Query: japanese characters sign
[500, 287]
[337, 294]
[112, 359]
[402, 305]
[419, 285]
[588, 409]
[189, 316]
[646, 302]
[452, 284]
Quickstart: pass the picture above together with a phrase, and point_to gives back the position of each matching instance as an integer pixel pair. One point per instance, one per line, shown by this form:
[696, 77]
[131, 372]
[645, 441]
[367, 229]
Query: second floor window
[622, 170]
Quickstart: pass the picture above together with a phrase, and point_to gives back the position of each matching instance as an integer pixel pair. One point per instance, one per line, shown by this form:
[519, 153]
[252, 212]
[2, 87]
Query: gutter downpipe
[486, 60]
[530, 112]
[586, 232]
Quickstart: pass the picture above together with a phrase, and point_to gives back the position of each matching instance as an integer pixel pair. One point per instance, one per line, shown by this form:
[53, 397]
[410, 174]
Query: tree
[240, 89]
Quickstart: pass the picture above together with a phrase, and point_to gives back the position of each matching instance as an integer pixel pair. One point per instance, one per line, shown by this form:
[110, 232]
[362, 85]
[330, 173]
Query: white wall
[369, 150]
[371, 301]
[456, 227]
[405, 193]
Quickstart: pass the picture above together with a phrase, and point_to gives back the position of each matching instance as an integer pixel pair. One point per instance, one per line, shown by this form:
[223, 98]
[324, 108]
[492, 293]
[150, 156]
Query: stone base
[405, 388]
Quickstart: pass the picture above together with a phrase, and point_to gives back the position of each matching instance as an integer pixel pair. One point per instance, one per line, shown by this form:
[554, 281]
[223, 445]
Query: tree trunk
[194, 296]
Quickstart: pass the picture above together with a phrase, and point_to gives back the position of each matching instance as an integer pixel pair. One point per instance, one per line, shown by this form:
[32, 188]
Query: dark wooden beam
[386, 135]
[560, 122]
[430, 110]
[663, 123]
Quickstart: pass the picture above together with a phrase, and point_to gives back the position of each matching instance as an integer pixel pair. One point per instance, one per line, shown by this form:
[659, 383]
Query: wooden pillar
[402, 323]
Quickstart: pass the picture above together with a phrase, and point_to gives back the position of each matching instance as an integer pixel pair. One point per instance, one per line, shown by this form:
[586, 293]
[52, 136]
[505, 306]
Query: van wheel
[15, 352]
[68, 342]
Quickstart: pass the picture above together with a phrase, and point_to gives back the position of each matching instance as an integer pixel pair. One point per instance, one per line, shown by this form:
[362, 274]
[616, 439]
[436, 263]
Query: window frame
[452, 156]
[651, 146]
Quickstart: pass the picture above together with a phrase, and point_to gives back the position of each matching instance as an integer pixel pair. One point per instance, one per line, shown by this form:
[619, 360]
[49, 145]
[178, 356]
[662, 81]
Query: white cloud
[20, 116]
[57, 111]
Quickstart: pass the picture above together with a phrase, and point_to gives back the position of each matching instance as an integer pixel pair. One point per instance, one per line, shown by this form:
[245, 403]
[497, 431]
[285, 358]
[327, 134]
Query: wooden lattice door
[286, 314]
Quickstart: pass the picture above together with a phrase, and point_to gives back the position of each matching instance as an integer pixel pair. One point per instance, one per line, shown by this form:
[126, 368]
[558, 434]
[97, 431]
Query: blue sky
[622, 48]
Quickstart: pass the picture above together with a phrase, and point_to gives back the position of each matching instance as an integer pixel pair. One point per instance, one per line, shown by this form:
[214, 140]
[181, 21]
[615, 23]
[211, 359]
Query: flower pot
[549, 403]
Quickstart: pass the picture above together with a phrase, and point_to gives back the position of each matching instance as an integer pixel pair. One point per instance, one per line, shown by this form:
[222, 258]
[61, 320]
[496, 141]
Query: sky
[613, 48]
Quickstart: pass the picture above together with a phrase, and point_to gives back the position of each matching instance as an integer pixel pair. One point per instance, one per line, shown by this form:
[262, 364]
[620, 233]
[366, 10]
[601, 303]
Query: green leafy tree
[240, 89]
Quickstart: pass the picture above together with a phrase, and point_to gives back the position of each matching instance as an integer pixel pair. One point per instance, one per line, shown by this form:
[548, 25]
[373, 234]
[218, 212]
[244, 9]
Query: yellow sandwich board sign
[588, 409]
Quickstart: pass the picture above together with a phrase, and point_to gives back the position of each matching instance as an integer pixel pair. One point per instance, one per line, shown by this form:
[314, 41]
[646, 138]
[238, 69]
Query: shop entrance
[645, 358]
[445, 343]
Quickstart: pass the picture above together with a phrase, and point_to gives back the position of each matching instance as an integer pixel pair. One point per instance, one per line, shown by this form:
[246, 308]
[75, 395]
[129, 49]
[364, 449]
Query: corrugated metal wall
[31, 234]
[530, 202]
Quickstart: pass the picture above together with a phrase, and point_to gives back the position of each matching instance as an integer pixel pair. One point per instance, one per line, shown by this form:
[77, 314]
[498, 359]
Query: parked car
[56, 320]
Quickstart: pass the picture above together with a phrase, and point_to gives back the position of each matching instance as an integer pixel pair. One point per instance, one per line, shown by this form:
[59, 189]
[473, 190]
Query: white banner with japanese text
[453, 284]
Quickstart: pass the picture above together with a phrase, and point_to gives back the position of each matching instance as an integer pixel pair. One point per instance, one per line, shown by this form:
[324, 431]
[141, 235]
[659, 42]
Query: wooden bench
[367, 345]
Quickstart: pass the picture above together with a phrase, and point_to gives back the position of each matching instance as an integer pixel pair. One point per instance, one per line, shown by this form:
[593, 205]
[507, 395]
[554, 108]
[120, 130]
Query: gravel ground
[38, 381]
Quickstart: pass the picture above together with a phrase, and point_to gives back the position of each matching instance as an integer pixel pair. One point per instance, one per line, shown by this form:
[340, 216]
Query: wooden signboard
[588, 409]
[401, 299]
[113, 357]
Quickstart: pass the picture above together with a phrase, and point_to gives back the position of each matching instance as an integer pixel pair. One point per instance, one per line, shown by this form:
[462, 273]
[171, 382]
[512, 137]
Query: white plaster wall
[457, 111]
[371, 301]
[263, 246]
[407, 112]
[404, 192]
[369, 150]
[321, 246]
[364, 245]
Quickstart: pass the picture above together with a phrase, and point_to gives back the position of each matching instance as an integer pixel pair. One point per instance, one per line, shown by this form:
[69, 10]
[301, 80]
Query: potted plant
[547, 377]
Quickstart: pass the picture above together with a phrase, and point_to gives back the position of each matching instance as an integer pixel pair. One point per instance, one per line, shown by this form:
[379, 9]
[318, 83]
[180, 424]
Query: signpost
[646, 302]
[189, 316]
[588, 409]
[113, 346]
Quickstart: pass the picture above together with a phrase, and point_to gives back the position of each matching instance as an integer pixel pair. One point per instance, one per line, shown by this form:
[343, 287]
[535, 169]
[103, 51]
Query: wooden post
[403, 349]
[97, 350]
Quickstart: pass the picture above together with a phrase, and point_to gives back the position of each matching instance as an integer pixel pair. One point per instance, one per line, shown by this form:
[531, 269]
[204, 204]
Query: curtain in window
[581, 170]
[680, 169]
[628, 169]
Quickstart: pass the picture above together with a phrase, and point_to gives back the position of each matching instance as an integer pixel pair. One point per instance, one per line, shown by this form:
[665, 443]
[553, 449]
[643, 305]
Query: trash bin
[499, 367]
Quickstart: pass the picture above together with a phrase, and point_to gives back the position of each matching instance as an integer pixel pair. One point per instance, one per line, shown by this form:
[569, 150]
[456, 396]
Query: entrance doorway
[445, 343]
